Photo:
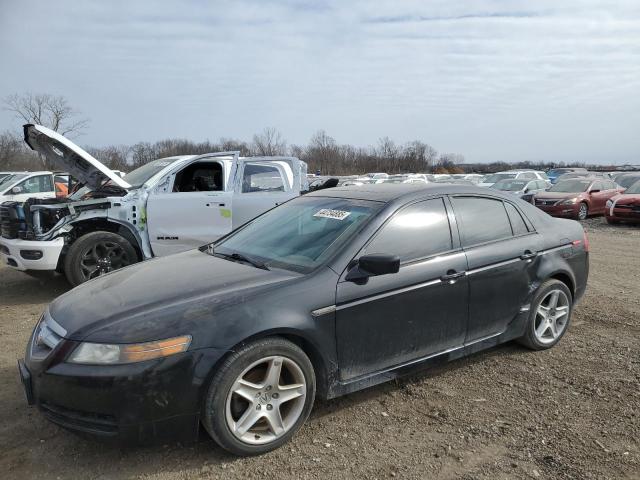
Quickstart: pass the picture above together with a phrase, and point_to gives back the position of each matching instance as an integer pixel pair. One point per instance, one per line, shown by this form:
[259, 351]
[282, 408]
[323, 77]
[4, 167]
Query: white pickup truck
[166, 206]
[20, 186]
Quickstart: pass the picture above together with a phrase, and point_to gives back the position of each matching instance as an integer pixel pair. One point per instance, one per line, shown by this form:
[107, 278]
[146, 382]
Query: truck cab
[165, 206]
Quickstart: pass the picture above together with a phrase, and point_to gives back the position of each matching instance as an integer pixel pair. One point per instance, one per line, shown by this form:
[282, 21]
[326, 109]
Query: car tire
[583, 211]
[95, 254]
[265, 414]
[557, 315]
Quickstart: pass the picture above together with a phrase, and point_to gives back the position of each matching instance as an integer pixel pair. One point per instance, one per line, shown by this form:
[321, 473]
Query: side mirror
[527, 190]
[374, 265]
[594, 191]
[16, 190]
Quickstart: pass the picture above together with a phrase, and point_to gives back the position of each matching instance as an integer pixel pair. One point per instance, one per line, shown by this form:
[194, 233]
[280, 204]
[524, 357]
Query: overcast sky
[493, 80]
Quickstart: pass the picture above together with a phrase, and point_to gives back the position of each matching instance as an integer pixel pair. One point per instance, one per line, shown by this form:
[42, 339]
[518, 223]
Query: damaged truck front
[166, 206]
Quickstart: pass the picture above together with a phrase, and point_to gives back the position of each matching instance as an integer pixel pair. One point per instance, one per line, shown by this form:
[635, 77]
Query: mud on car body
[166, 206]
[330, 293]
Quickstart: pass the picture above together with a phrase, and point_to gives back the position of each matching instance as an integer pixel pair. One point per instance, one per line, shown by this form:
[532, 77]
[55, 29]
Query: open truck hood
[67, 156]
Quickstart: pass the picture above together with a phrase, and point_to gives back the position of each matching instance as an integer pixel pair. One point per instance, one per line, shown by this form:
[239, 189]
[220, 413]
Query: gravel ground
[569, 412]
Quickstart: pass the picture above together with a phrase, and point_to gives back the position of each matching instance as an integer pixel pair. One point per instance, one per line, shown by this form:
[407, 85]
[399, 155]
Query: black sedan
[324, 295]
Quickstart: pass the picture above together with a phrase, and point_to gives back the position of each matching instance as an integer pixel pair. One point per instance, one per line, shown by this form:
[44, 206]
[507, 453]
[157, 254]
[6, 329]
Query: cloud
[490, 79]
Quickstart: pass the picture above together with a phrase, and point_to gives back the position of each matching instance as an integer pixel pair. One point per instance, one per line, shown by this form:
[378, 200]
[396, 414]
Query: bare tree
[269, 143]
[48, 110]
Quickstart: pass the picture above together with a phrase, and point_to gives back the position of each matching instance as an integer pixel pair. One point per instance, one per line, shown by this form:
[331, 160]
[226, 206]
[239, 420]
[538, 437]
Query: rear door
[189, 208]
[260, 184]
[393, 319]
[501, 249]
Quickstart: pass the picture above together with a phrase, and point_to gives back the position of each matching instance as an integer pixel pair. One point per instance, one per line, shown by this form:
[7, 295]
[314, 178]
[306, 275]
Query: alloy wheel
[552, 317]
[102, 258]
[266, 400]
[582, 211]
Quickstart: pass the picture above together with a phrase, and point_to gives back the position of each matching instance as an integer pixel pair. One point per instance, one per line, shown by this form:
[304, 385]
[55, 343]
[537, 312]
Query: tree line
[322, 153]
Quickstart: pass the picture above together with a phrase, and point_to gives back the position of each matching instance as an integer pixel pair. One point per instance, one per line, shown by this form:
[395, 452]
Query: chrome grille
[46, 337]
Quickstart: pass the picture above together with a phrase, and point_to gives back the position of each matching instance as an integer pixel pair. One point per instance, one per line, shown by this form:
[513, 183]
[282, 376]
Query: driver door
[180, 220]
[39, 186]
[422, 310]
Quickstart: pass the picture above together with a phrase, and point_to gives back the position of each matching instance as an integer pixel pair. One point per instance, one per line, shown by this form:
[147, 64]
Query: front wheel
[259, 397]
[549, 315]
[96, 254]
[583, 211]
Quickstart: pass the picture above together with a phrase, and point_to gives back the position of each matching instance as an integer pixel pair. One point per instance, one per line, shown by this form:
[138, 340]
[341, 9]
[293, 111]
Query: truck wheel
[95, 254]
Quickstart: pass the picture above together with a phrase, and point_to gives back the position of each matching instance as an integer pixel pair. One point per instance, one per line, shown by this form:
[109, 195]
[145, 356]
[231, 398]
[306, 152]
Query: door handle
[452, 277]
[528, 255]
[217, 204]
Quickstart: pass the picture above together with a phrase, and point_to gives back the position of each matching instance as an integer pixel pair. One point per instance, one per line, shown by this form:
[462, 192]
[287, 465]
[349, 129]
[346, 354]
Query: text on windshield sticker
[335, 214]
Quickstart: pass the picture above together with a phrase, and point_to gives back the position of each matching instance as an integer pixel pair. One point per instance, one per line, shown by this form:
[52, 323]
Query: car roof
[402, 192]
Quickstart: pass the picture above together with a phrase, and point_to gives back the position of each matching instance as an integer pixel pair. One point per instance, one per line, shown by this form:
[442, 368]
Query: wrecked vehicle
[166, 206]
[330, 293]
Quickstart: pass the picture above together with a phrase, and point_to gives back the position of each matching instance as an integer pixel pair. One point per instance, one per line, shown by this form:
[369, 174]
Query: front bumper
[623, 214]
[13, 253]
[150, 402]
[565, 211]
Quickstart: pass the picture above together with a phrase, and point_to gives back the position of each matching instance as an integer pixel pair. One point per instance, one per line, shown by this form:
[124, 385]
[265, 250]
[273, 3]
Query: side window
[39, 184]
[199, 177]
[597, 186]
[528, 175]
[481, 219]
[417, 231]
[261, 178]
[609, 185]
[517, 223]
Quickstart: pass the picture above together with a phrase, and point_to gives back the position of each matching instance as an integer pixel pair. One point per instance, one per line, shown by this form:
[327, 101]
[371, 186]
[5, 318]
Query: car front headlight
[570, 201]
[609, 203]
[117, 354]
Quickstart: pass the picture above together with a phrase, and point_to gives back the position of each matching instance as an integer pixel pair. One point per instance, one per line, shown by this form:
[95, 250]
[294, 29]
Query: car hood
[159, 298]
[627, 199]
[66, 155]
[556, 195]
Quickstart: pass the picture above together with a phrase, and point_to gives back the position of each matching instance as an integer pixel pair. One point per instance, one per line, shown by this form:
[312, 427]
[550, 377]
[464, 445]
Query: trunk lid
[67, 156]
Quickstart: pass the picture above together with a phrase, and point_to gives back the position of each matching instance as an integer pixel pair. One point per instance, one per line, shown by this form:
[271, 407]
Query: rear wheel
[259, 397]
[583, 211]
[96, 254]
[549, 316]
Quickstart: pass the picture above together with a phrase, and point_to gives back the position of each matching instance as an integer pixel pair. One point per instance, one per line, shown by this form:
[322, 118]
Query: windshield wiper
[243, 258]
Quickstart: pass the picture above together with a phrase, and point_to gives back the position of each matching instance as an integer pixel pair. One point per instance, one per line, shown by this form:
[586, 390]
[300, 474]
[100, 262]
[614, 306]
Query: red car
[625, 207]
[577, 197]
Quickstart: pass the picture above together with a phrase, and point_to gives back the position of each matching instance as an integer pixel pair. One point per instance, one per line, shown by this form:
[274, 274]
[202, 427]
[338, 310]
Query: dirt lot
[570, 412]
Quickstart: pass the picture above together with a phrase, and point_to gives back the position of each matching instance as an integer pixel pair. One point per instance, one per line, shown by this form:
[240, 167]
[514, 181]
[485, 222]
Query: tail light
[584, 242]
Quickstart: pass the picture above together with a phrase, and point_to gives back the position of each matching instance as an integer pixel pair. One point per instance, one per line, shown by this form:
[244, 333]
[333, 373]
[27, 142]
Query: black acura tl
[324, 295]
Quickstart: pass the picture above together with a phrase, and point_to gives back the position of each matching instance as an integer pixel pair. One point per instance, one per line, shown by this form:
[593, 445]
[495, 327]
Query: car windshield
[635, 188]
[626, 182]
[496, 177]
[571, 186]
[510, 185]
[11, 179]
[140, 175]
[298, 235]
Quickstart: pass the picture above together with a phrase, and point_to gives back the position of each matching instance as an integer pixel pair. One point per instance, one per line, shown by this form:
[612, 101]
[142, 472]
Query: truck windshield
[299, 235]
[11, 179]
[136, 178]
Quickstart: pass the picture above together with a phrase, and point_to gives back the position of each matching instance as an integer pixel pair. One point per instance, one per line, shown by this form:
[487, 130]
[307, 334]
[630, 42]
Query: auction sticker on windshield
[335, 214]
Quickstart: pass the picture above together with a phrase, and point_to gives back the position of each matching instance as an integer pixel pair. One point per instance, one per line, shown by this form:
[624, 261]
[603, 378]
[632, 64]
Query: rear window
[517, 223]
[481, 220]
